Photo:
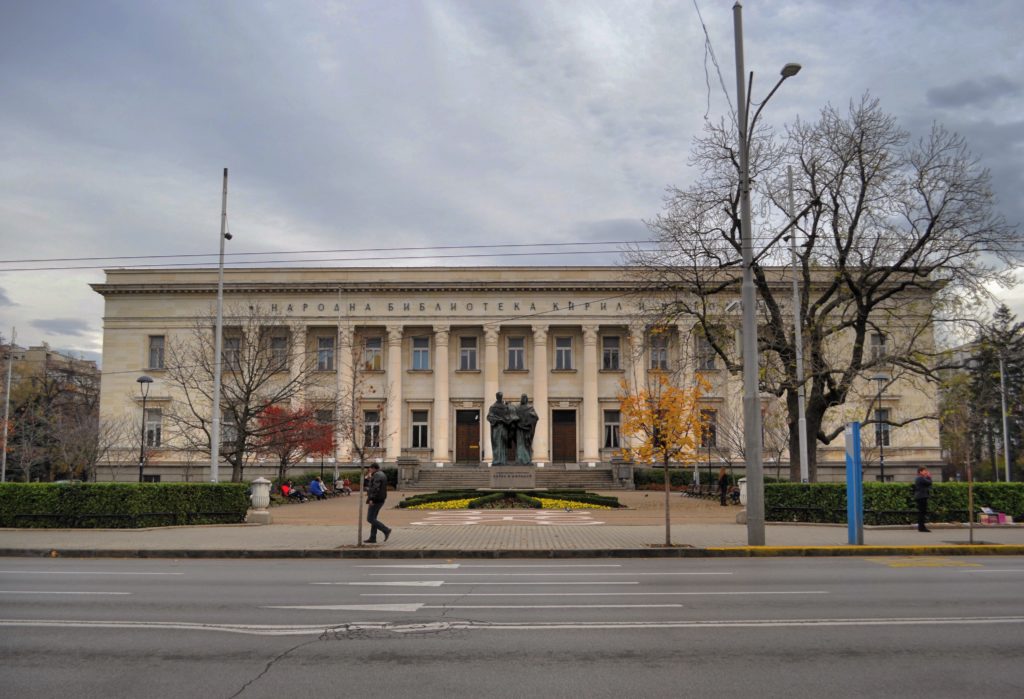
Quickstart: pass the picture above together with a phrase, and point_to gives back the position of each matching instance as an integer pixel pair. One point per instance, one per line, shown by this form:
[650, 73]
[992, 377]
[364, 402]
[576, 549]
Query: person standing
[376, 494]
[723, 485]
[922, 491]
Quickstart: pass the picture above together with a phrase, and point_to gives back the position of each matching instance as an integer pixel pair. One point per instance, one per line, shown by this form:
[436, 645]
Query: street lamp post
[751, 395]
[218, 335]
[1006, 433]
[144, 383]
[879, 436]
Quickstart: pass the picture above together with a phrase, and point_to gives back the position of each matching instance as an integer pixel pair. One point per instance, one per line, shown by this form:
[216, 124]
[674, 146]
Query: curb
[661, 552]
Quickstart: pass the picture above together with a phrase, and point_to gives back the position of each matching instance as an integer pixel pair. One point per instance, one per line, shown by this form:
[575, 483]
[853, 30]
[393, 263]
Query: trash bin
[743, 491]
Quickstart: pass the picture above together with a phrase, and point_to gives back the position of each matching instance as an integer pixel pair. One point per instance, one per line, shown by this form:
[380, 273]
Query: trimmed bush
[529, 497]
[887, 503]
[121, 505]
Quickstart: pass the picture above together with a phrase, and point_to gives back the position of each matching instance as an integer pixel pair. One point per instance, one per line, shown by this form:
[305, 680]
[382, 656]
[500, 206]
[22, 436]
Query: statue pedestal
[513, 477]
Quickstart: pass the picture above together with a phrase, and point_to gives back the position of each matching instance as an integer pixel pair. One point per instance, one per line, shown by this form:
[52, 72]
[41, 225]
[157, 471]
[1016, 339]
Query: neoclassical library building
[424, 351]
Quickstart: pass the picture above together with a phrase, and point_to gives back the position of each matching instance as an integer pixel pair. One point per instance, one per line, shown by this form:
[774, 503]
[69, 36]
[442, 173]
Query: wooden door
[467, 436]
[563, 436]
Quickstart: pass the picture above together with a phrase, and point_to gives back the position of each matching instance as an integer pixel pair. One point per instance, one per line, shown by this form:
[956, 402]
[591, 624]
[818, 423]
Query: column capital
[491, 333]
[394, 334]
[589, 334]
[441, 333]
[346, 335]
[540, 332]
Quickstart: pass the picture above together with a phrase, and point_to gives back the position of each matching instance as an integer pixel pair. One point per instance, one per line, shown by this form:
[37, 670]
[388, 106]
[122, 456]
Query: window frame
[611, 355]
[420, 429]
[515, 352]
[709, 437]
[153, 418]
[420, 355]
[325, 355]
[883, 430]
[564, 355]
[704, 353]
[612, 429]
[371, 429]
[468, 345]
[657, 352]
[373, 354]
[159, 364]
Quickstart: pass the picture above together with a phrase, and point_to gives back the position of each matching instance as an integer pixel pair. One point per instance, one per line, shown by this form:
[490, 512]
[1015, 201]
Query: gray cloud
[73, 327]
[5, 299]
[982, 92]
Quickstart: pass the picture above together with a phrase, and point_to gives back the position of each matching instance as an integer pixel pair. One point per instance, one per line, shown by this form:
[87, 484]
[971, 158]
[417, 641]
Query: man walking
[922, 491]
[376, 494]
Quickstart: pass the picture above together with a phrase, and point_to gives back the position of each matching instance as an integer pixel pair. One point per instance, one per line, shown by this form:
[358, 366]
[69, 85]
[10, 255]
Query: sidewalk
[328, 530]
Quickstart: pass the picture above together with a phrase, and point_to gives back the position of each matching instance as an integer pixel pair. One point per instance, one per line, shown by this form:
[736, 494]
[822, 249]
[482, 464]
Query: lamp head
[227, 236]
[144, 382]
[790, 69]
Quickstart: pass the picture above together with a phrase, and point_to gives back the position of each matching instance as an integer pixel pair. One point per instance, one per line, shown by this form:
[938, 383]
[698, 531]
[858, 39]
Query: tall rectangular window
[324, 416]
[705, 354]
[882, 427]
[279, 352]
[232, 358]
[659, 352]
[420, 353]
[373, 354]
[371, 429]
[516, 353]
[156, 351]
[611, 429]
[228, 428]
[708, 428]
[467, 353]
[610, 352]
[563, 353]
[878, 346]
[154, 427]
[420, 431]
[325, 354]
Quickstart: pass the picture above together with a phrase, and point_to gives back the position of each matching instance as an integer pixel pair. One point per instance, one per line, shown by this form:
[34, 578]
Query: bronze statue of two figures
[512, 428]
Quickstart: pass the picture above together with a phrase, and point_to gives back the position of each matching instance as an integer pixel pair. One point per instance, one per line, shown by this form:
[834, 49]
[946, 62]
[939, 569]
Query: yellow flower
[443, 505]
[550, 504]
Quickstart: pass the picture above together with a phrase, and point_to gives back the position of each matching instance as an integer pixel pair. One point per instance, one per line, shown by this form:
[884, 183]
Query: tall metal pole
[878, 432]
[7, 405]
[218, 340]
[798, 341]
[751, 396]
[1006, 433]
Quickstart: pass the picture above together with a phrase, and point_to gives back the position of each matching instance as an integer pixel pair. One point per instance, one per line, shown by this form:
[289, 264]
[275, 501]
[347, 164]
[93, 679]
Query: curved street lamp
[144, 384]
[751, 396]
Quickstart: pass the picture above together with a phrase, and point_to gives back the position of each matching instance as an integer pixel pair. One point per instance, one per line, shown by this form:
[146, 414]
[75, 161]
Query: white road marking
[411, 607]
[592, 594]
[449, 566]
[522, 575]
[553, 606]
[57, 592]
[76, 572]
[994, 570]
[395, 583]
[434, 627]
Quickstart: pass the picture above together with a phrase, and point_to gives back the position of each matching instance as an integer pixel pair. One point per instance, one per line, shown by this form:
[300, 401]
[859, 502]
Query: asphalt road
[783, 627]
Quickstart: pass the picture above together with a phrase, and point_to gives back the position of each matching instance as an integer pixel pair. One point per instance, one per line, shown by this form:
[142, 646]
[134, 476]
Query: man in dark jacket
[922, 491]
[376, 494]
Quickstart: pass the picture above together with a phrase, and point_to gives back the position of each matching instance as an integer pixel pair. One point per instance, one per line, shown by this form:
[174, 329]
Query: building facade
[420, 353]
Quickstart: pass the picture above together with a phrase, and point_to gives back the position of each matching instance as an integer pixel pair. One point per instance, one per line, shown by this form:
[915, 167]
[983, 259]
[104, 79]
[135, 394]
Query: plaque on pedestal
[519, 477]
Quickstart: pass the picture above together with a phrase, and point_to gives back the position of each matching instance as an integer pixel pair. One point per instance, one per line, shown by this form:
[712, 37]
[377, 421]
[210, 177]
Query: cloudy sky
[385, 124]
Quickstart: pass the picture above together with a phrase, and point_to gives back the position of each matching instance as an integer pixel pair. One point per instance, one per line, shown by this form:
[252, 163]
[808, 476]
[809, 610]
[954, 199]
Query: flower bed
[500, 500]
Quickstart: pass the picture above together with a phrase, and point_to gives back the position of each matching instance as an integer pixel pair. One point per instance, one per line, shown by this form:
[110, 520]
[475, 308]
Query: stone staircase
[469, 477]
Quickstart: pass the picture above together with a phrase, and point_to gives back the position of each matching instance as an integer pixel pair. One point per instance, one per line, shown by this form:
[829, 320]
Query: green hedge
[121, 505]
[887, 503]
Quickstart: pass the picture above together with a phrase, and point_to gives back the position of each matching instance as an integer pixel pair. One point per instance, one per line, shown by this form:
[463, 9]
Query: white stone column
[347, 407]
[492, 365]
[591, 418]
[297, 365]
[637, 357]
[394, 392]
[541, 453]
[441, 394]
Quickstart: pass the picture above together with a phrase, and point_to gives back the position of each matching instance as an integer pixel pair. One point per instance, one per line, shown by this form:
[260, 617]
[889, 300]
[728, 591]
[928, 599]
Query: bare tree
[263, 366]
[897, 237]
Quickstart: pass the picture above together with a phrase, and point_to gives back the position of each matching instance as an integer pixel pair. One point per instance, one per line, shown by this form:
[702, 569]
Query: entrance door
[563, 436]
[467, 436]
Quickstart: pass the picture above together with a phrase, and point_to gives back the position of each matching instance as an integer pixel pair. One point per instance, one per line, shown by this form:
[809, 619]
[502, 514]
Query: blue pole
[854, 486]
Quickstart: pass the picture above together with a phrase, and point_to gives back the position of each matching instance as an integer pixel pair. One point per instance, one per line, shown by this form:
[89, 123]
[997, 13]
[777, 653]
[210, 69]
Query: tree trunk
[668, 488]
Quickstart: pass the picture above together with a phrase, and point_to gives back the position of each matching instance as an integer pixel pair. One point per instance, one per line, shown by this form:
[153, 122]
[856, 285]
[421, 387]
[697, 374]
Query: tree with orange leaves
[662, 424]
[292, 435]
